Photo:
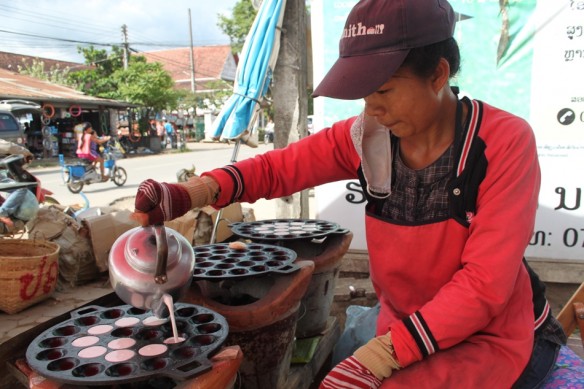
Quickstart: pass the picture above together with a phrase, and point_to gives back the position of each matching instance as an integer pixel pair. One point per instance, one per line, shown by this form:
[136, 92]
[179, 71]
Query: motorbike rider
[87, 148]
[16, 209]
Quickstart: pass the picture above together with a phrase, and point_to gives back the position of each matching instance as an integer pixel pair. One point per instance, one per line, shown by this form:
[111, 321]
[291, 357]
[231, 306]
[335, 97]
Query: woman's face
[406, 104]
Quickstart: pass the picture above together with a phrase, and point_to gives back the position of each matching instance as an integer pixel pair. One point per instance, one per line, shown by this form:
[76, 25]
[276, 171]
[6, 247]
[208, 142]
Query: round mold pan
[219, 261]
[56, 353]
[276, 230]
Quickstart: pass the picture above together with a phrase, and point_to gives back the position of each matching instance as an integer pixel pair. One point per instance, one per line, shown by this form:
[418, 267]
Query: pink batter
[152, 350]
[121, 343]
[92, 352]
[153, 321]
[85, 341]
[127, 322]
[119, 355]
[100, 329]
[173, 340]
[170, 304]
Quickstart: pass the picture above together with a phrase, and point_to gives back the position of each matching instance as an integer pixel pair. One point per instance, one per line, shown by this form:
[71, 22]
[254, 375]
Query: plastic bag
[359, 329]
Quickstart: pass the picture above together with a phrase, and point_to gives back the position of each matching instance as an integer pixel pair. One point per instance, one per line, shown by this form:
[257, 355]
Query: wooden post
[291, 96]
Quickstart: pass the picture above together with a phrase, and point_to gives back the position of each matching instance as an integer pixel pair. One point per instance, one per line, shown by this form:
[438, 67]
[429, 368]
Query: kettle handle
[160, 276]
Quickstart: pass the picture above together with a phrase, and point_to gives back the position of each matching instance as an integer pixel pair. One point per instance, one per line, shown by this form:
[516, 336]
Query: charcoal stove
[320, 241]
[257, 288]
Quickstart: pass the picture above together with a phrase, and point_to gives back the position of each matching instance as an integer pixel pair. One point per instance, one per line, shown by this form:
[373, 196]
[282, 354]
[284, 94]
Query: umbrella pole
[220, 213]
[233, 160]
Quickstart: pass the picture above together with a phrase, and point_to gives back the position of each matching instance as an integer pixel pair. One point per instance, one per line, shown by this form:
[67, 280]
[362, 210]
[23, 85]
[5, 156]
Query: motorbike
[14, 177]
[83, 172]
[14, 168]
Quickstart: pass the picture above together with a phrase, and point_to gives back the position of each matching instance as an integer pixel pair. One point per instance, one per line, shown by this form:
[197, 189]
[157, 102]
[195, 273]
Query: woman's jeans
[546, 347]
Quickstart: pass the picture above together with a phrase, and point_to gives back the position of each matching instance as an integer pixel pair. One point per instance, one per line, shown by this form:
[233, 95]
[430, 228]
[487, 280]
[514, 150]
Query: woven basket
[28, 272]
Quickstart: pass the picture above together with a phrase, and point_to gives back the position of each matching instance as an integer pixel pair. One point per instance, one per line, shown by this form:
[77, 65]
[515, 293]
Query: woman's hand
[369, 365]
[158, 202]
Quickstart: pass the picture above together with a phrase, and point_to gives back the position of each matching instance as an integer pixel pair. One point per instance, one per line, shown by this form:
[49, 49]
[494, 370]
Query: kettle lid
[141, 250]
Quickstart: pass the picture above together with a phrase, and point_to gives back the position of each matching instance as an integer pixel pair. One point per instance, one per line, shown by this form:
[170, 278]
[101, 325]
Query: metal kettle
[147, 262]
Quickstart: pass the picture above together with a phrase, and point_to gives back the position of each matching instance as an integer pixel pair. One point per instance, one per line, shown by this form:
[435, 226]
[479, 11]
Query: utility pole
[125, 46]
[291, 96]
[193, 85]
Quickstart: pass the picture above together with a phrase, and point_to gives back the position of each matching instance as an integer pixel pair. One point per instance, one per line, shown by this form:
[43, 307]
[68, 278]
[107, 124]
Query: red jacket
[454, 293]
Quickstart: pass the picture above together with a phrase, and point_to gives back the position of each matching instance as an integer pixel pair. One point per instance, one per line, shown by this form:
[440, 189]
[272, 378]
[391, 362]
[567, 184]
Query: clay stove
[322, 242]
[258, 290]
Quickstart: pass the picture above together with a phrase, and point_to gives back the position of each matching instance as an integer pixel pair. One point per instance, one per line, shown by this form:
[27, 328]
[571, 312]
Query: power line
[47, 17]
[77, 27]
[153, 44]
[58, 39]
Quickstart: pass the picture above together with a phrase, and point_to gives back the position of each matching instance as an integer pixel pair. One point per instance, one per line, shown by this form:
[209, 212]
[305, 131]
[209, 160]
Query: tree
[96, 81]
[143, 83]
[147, 84]
[238, 25]
[36, 69]
[206, 100]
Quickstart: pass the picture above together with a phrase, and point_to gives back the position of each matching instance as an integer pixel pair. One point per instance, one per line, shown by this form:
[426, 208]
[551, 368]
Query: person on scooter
[87, 148]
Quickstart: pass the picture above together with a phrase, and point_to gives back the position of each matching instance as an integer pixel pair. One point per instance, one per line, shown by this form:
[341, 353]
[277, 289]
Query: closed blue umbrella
[252, 79]
[254, 72]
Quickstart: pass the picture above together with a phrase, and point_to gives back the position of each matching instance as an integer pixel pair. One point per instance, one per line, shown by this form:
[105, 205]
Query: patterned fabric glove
[378, 356]
[160, 202]
[350, 374]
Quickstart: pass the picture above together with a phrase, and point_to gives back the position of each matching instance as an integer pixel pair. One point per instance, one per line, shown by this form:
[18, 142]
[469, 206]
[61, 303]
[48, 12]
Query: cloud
[151, 25]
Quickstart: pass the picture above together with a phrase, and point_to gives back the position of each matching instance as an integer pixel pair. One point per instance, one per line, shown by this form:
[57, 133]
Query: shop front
[55, 110]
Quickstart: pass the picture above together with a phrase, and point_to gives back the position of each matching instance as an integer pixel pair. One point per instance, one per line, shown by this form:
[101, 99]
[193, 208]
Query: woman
[87, 147]
[452, 187]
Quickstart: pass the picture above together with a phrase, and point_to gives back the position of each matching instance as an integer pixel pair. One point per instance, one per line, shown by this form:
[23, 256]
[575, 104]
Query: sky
[26, 26]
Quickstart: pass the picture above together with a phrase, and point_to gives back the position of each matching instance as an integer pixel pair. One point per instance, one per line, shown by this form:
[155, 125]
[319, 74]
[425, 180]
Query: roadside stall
[52, 111]
[246, 298]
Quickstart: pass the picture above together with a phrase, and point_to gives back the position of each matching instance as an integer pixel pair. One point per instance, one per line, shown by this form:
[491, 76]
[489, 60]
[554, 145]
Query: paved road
[162, 167]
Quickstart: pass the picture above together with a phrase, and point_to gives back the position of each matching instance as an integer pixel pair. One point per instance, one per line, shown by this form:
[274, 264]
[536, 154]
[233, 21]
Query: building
[11, 61]
[214, 66]
[62, 109]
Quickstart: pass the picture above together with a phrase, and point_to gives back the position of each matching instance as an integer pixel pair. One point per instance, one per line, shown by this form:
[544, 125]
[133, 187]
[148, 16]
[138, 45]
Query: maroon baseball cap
[377, 37]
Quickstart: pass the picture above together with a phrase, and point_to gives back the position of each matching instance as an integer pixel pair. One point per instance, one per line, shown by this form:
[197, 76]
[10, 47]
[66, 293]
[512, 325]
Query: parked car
[11, 128]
